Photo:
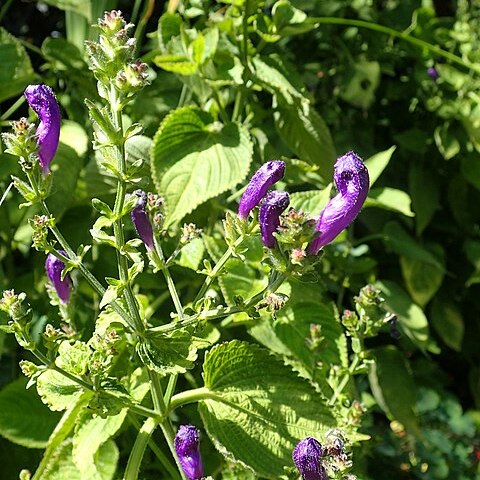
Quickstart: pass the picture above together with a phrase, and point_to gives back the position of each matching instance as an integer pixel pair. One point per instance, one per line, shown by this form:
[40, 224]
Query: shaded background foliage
[421, 241]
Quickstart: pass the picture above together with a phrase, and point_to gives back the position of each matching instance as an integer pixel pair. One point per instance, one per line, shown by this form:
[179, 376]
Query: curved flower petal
[271, 209]
[141, 221]
[352, 182]
[42, 100]
[54, 268]
[187, 444]
[268, 174]
[307, 456]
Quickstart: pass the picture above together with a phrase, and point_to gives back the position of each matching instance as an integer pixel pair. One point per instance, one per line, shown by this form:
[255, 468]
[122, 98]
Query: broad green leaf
[66, 167]
[303, 130]
[389, 199]
[74, 136]
[168, 354]
[168, 27]
[177, 63]
[63, 55]
[61, 432]
[16, 72]
[57, 391]
[24, 419]
[411, 318]
[448, 323]
[403, 244]
[425, 193]
[421, 278]
[254, 399]
[470, 165]
[61, 466]
[91, 432]
[361, 84]
[240, 280]
[195, 158]
[377, 163]
[277, 78]
[192, 254]
[312, 201]
[82, 7]
[393, 387]
[447, 143]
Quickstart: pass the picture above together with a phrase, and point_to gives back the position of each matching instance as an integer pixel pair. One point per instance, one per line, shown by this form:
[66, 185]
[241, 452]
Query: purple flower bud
[42, 100]
[54, 268]
[271, 209]
[352, 182]
[307, 456]
[262, 180]
[432, 72]
[187, 448]
[141, 221]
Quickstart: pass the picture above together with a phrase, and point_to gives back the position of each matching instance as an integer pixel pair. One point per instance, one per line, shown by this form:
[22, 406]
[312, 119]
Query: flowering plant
[151, 315]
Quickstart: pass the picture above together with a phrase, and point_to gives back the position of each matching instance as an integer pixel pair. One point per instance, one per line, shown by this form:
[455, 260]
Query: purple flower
[432, 72]
[42, 100]
[307, 456]
[54, 268]
[262, 180]
[187, 448]
[352, 182]
[271, 209]
[141, 221]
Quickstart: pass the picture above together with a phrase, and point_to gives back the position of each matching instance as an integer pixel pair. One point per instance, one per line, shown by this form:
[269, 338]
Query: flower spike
[42, 100]
[352, 182]
[268, 174]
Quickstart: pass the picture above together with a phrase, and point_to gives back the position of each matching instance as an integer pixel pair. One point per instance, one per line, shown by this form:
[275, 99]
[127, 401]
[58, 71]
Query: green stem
[190, 396]
[158, 452]
[20, 101]
[401, 35]
[221, 108]
[138, 450]
[218, 267]
[345, 379]
[117, 210]
[166, 425]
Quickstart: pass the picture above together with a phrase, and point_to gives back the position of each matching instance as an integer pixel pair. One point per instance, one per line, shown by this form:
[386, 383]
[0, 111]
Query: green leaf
[63, 55]
[57, 391]
[177, 63]
[168, 354]
[82, 7]
[258, 409]
[73, 358]
[448, 323]
[66, 168]
[91, 432]
[411, 318]
[361, 83]
[421, 278]
[446, 141]
[61, 466]
[377, 163]
[192, 254]
[195, 158]
[425, 193]
[303, 130]
[24, 419]
[393, 387]
[403, 244]
[16, 72]
[240, 280]
[389, 199]
[168, 27]
[312, 201]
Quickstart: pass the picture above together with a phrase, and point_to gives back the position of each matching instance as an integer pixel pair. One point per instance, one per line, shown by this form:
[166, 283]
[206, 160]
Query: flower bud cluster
[112, 56]
[20, 315]
[40, 225]
[22, 142]
[370, 315]
[189, 233]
